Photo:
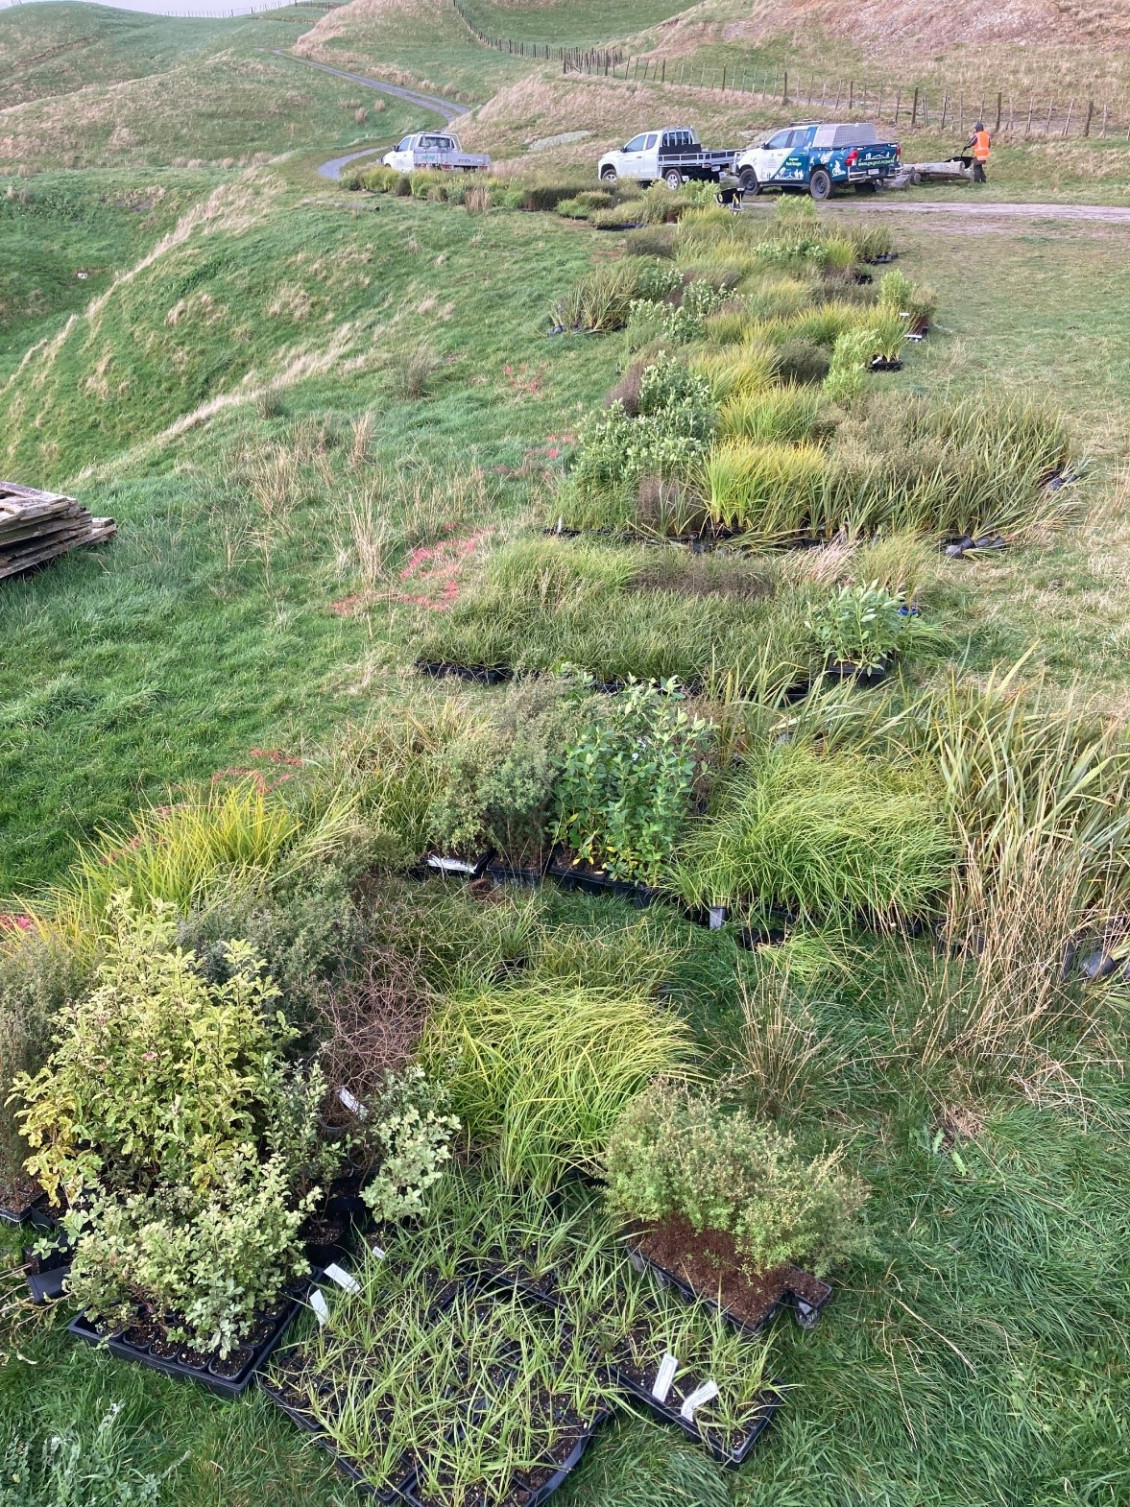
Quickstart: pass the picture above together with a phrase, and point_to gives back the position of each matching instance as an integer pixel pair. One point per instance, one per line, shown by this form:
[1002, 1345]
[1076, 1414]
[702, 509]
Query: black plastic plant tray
[383, 1494]
[806, 1313]
[736, 1455]
[476, 674]
[223, 1386]
[46, 1286]
[585, 883]
[542, 1493]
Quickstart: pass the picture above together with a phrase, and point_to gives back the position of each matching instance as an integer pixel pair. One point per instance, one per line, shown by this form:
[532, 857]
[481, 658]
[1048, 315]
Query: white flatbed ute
[672, 154]
[433, 149]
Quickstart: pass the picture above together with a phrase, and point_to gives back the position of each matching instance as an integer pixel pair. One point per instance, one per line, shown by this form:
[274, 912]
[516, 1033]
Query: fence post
[1067, 122]
[1028, 122]
[914, 111]
[945, 107]
[851, 94]
[998, 124]
[898, 106]
[663, 79]
[1090, 114]
[785, 90]
[723, 80]
[1051, 112]
[1104, 120]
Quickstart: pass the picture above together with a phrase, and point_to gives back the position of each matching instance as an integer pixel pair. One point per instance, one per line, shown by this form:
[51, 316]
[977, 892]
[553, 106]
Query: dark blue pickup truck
[818, 158]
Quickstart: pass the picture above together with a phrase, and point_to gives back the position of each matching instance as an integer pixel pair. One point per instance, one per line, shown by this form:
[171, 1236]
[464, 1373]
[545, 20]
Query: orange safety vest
[982, 141]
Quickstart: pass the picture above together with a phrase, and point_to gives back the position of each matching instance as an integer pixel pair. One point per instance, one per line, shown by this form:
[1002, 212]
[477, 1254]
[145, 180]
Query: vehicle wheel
[820, 184]
[673, 179]
[608, 175]
[748, 183]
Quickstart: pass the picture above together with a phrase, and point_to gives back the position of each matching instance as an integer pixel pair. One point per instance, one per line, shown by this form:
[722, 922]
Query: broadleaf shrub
[678, 1153]
[625, 786]
[407, 1126]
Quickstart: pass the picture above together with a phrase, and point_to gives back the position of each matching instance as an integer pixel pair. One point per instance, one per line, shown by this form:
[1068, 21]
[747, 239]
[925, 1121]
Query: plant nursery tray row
[226, 1378]
[527, 1489]
[725, 1455]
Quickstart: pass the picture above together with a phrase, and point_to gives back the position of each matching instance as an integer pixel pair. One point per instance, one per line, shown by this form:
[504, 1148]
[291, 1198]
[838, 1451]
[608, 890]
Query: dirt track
[447, 108]
[1110, 214]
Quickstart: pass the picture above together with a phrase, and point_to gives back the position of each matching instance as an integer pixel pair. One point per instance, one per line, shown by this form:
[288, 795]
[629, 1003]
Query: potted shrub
[179, 1141]
[626, 784]
[728, 1206]
[859, 631]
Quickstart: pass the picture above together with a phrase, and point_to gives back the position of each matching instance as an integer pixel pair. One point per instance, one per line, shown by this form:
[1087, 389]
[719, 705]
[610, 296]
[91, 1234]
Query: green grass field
[286, 394]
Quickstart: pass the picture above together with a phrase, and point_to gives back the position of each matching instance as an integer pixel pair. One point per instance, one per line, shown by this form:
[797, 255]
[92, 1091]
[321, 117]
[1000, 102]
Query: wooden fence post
[1090, 114]
[945, 107]
[785, 91]
[663, 80]
[1028, 122]
[1104, 120]
[723, 80]
[1067, 122]
[898, 105]
[851, 94]
[1051, 111]
[914, 111]
[998, 124]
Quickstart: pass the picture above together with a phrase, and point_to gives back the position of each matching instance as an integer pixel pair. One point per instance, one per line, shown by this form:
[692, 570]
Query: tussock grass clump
[748, 368]
[602, 299]
[180, 854]
[545, 1072]
[783, 414]
[829, 837]
[414, 371]
[537, 610]
[769, 489]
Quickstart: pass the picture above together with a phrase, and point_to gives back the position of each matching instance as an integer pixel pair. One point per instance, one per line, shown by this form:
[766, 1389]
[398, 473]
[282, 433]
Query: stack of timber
[38, 526]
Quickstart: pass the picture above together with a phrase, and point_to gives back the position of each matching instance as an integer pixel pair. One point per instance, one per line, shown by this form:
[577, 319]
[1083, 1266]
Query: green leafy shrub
[545, 1071]
[410, 1133]
[911, 301]
[680, 1154]
[668, 436]
[496, 778]
[208, 1261]
[860, 625]
[625, 785]
[831, 837]
[156, 1075]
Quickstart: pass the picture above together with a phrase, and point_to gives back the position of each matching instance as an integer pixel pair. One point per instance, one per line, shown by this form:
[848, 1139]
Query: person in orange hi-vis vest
[982, 143]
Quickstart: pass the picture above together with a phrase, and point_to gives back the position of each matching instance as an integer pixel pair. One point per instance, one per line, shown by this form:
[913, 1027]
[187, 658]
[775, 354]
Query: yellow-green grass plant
[831, 837]
[771, 491]
[747, 368]
[226, 837]
[785, 414]
[544, 1071]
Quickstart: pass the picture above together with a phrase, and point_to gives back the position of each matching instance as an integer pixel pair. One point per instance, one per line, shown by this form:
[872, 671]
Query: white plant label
[342, 1278]
[352, 1104]
[320, 1306]
[698, 1398]
[667, 1368]
[450, 865]
[379, 1252]
[717, 917]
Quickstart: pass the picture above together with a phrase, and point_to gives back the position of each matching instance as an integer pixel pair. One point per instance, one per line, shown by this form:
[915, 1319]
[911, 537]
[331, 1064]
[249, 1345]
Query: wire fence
[1005, 113]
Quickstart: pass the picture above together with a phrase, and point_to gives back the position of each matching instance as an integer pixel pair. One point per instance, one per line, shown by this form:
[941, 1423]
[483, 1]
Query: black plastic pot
[47, 1272]
[846, 669]
[34, 1214]
[885, 364]
[733, 1455]
[464, 868]
[207, 1376]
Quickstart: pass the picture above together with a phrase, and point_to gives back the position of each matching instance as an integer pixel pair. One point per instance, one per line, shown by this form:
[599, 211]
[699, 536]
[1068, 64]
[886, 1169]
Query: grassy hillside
[154, 91]
[333, 427]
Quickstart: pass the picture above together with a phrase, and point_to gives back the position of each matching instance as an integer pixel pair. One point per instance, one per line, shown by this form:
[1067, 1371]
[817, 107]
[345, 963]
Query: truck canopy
[853, 134]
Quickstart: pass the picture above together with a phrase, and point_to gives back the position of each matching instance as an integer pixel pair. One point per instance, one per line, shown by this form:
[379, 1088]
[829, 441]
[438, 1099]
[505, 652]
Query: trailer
[434, 149]
[670, 154]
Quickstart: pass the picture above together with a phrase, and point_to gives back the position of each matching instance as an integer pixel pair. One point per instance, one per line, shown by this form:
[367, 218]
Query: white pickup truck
[435, 149]
[673, 153]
